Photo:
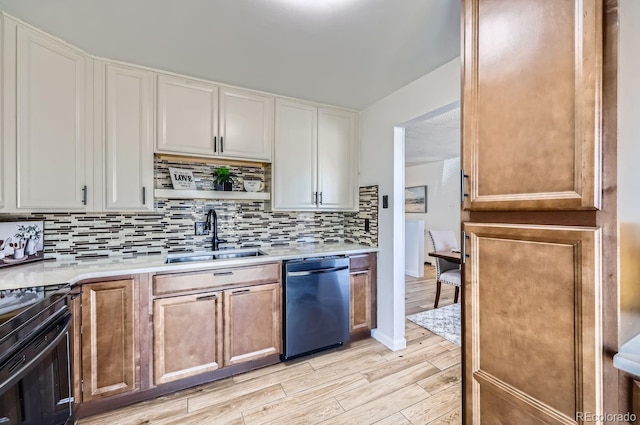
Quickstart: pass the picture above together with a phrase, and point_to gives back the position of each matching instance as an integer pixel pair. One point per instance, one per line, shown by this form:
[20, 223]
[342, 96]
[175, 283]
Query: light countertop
[58, 272]
[628, 358]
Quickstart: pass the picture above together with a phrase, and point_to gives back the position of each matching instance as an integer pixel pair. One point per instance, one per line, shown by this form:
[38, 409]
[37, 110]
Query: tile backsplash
[171, 227]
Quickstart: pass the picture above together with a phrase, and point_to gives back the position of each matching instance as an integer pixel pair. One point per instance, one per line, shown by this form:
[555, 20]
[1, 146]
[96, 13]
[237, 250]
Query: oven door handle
[44, 346]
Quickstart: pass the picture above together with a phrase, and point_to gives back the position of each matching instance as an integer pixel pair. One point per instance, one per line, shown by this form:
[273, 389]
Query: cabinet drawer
[214, 279]
[359, 262]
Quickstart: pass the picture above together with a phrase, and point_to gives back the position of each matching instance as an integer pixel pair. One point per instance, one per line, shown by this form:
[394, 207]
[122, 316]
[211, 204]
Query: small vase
[30, 249]
[228, 186]
[18, 253]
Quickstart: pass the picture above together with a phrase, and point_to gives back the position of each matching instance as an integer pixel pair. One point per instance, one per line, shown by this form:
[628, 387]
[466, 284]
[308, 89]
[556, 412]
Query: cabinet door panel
[360, 309]
[128, 139]
[108, 354]
[187, 115]
[51, 124]
[532, 323]
[187, 335]
[246, 125]
[531, 129]
[252, 323]
[337, 162]
[295, 161]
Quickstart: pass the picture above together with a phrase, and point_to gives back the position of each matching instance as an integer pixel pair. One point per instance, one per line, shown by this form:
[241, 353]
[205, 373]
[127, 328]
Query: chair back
[443, 240]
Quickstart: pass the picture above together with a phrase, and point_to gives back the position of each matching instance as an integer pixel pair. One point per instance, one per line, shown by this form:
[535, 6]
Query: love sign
[182, 179]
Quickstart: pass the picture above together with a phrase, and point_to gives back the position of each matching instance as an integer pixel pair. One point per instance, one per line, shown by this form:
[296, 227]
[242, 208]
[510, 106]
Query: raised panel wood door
[532, 84]
[360, 301]
[187, 336]
[295, 156]
[187, 116]
[246, 125]
[51, 137]
[252, 323]
[108, 340]
[337, 162]
[533, 348]
[129, 139]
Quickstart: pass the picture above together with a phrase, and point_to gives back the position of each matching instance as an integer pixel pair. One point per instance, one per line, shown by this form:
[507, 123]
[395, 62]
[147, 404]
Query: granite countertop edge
[71, 272]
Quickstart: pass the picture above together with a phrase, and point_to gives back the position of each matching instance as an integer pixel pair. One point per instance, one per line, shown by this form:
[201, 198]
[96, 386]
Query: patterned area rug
[443, 321]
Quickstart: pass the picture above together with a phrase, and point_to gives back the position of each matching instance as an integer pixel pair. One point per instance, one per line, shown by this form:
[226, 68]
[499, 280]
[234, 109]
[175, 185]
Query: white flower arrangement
[31, 232]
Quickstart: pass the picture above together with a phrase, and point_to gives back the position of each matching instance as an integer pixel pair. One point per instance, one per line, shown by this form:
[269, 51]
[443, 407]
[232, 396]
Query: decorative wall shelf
[211, 194]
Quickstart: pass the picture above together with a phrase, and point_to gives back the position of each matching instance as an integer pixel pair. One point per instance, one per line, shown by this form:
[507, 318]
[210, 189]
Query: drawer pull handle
[359, 273]
[223, 274]
[207, 298]
[241, 291]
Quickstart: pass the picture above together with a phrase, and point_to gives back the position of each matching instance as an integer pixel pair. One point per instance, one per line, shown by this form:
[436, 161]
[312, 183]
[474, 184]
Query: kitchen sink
[214, 255]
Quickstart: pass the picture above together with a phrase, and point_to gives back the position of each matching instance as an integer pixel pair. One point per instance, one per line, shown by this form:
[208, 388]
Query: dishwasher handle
[317, 271]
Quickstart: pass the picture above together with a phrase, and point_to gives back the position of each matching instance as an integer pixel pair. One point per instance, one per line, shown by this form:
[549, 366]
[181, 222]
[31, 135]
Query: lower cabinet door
[187, 335]
[252, 320]
[360, 300]
[533, 324]
[108, 350]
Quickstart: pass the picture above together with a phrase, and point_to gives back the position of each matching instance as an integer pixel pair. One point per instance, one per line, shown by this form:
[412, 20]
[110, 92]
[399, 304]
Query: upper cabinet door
[128, 139]
[187, 116]
[337, 159]
[246, 125]
[52, 146]
[295, 156]
[532, 83]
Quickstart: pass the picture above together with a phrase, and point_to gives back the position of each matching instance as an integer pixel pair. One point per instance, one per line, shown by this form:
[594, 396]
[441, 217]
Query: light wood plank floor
[363, 384]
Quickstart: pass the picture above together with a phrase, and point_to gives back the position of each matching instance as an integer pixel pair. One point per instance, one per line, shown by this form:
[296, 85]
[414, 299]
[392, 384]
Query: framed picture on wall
[415, 199]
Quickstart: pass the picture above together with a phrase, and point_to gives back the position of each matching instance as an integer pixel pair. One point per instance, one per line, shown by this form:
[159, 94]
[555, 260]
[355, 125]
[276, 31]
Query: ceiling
[347, 53]
[433, 139]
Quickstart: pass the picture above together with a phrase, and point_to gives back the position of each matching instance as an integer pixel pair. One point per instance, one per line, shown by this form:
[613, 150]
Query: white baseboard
[393, 345]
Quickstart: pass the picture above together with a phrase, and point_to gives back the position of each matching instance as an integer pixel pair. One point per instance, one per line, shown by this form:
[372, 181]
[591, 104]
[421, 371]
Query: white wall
[628, 177]
[443, 197]
[378, 150]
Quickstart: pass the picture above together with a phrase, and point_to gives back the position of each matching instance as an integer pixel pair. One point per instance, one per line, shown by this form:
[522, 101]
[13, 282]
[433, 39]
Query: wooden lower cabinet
[187, 335]
[108, 339]
[362, 302]
[252, 323]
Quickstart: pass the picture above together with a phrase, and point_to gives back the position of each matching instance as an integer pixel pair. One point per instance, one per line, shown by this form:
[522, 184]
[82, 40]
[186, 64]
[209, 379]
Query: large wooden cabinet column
[539, 227]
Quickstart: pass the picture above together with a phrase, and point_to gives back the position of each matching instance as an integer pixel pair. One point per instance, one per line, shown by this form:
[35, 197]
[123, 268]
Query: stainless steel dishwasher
[316, 299]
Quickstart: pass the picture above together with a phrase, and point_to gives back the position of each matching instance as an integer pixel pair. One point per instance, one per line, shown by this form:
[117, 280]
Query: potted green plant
[222, 179]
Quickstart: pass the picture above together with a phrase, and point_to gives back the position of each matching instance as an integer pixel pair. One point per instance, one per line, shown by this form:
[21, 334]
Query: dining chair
[446, 271]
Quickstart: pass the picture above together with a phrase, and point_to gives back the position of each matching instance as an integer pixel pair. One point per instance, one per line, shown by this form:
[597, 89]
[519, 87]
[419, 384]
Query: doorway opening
[427, 151]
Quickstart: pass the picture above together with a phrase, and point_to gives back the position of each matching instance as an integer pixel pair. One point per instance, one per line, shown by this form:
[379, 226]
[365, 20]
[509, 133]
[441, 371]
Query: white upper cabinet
[315, 164]
[246, 125]
[128, 136]
[199, 118]
[52, 147]
[337, 159]
[187, 116]
[295, 156]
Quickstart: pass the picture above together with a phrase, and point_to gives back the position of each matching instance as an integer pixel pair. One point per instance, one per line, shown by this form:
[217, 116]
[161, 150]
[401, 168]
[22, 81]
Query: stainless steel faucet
[212, 226]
